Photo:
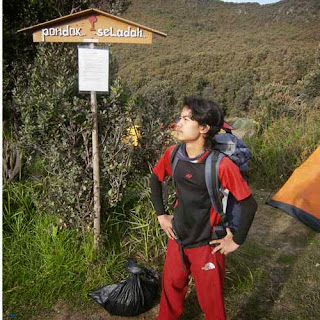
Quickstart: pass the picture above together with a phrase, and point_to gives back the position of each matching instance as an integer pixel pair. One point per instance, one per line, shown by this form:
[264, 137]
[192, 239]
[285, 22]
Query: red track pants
[208, 272]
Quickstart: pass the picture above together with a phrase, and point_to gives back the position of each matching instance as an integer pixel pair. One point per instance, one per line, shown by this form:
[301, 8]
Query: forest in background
[258, 62]
[228, 51]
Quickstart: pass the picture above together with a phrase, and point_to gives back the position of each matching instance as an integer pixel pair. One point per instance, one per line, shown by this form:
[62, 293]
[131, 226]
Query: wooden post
[96, 170]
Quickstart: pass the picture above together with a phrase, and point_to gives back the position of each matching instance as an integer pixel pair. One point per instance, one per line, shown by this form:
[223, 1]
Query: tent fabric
[300, 195]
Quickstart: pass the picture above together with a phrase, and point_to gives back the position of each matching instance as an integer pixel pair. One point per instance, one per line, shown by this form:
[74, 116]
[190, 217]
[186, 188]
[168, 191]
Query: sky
[259, 1]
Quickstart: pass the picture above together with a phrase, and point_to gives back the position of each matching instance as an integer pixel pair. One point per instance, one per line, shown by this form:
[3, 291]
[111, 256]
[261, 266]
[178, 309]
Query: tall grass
[282, 146]
[43, 262]
[144, 239]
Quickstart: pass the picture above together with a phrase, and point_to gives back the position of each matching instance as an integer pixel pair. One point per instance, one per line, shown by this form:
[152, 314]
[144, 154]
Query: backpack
[223, 202]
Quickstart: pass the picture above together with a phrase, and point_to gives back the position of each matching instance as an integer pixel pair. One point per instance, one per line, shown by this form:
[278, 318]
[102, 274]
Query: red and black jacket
[194, 215]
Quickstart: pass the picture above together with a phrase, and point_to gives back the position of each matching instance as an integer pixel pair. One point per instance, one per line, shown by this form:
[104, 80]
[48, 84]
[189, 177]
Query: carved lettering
[129, 33]
[67, 31]
[112, 34]
[45, 32]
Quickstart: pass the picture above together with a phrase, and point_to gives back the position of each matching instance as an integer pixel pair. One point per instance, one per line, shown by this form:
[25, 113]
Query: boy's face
[189, 130]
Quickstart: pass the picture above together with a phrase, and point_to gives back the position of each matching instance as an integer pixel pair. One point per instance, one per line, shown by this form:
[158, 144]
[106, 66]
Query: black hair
[206, 112]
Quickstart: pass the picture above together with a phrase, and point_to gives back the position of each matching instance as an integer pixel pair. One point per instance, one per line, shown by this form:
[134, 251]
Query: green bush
[56, 125]
[153, 109]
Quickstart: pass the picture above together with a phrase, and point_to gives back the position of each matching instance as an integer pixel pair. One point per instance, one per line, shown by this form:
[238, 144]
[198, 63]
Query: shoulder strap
[174, 160]
[212, 182]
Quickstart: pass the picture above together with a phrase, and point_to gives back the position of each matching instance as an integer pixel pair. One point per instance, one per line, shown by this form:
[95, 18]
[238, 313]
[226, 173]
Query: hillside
[226, 50]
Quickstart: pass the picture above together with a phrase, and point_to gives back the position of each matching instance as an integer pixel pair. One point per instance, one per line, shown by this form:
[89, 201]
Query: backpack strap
[174, 160]
[212, 182]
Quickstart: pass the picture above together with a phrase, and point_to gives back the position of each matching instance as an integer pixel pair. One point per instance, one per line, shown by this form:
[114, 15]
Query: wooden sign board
[92, 25]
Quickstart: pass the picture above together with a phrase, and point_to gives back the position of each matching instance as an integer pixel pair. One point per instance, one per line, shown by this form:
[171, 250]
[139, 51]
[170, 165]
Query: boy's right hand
[165, 221]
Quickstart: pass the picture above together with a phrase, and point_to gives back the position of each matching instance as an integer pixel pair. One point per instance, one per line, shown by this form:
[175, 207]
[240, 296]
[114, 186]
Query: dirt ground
[272, 230]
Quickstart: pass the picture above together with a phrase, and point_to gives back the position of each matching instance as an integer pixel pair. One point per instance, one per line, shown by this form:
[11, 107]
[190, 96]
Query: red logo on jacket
[189, 176]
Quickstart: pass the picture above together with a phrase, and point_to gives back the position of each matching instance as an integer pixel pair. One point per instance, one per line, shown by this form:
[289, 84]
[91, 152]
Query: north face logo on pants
[208, 266]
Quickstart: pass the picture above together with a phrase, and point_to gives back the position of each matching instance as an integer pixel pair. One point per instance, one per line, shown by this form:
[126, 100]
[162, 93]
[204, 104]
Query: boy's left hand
[225, 245]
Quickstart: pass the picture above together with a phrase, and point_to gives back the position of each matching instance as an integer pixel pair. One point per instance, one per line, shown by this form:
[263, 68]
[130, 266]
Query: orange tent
[300, 195]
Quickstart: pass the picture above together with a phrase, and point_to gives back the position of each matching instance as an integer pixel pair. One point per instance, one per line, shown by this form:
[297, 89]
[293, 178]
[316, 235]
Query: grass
[276, 266]
[303, 286]
[282, 146]
[145, 239]
[43, 262]
[242, 276]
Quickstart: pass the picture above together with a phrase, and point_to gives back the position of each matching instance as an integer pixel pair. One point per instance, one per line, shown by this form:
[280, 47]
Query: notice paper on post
[93, 69]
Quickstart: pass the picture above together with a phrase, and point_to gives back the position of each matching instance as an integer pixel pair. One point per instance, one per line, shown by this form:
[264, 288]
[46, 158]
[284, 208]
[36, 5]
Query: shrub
[56, 125]
[153, 109]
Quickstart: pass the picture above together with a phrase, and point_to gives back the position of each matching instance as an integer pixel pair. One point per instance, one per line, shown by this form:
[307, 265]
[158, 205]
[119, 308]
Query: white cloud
[258, 1]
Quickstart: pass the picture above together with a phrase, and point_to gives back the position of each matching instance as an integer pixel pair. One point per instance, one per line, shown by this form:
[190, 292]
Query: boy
[189, 229]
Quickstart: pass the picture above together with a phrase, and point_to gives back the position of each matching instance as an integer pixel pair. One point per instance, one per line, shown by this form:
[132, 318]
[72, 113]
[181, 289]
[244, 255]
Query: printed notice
[93, 69]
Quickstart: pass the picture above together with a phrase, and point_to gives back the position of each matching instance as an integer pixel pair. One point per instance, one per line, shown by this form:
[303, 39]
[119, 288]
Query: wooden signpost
[93, 26]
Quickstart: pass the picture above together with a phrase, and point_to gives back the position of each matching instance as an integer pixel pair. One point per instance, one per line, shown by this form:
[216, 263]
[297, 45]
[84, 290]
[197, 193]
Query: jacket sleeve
[156, 194]
[231, 179]
[248, 209]
[159, 172]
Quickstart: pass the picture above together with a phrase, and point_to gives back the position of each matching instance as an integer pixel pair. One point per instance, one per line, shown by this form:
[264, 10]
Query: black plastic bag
[130, 297]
